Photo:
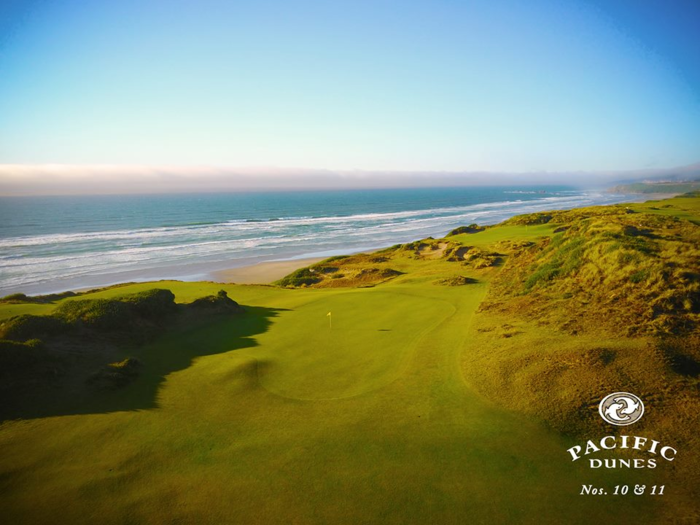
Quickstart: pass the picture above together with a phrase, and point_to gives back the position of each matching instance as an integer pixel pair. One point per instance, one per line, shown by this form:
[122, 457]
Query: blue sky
[369, 85]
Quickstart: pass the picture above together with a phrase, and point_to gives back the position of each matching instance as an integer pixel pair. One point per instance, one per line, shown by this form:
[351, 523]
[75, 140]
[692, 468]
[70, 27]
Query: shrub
[153, 304]
[529, 219]
[36, 299]
[14, 354]
[481, 259]
[472, 228]
[119, 313]
[15, 298]
[25, 327]
[377, 273]
[303, 276]
[219, 303]
[102, 314]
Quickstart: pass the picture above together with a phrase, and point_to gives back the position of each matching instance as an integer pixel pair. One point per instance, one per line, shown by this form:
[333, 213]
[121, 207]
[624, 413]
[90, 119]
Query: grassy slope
[554, 349]
[658, 187]
[280, 419]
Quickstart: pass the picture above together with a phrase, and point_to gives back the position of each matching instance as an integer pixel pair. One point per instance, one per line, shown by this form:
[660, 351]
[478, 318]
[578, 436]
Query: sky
[438, 85]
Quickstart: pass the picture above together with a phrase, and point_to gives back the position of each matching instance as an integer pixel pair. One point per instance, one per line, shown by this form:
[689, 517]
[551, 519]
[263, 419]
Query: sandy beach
[269, 272]
[262, 273]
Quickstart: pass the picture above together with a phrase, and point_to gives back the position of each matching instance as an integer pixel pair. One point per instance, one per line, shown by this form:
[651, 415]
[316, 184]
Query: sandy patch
[262, 273]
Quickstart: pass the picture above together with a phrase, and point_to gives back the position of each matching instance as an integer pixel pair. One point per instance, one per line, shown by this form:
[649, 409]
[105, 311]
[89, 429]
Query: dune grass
[414, 407]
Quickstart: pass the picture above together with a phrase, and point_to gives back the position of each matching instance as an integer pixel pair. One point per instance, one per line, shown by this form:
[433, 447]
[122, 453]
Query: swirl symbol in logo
[621, 408]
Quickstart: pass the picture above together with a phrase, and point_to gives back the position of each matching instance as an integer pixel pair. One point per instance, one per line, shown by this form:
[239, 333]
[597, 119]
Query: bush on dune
[132, 316]
[220, 303]
[19, 298]
[472, 228]
[347, 272]
[301, 277]
[152, 304]
[16, 354]
[24, 327]
[81, 335]
[100, 314]
[116, 314]
[639, 271]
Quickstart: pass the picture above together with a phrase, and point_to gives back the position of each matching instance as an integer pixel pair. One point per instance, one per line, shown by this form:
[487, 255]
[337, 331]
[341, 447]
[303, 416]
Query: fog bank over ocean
[62, 179]
[50, 244]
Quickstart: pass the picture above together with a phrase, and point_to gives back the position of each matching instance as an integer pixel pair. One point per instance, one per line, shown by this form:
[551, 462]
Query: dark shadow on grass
[72, 392]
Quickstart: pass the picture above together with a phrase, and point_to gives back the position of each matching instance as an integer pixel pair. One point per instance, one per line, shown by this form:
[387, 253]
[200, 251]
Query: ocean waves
[43, 261]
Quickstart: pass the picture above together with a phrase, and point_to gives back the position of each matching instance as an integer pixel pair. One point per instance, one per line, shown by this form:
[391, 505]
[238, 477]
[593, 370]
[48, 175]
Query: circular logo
[621, 408]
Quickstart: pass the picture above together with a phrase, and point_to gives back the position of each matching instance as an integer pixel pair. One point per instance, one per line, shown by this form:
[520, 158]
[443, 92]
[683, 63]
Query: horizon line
[128, 179]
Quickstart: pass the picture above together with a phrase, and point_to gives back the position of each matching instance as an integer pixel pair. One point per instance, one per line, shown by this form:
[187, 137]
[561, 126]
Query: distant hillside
[658, 187]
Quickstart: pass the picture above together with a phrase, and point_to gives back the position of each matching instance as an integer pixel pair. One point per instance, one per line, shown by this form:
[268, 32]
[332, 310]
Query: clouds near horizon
[21, 180]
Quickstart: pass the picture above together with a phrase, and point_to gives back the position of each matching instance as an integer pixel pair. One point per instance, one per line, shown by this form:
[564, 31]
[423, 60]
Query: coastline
[267, 272]
[255, 269]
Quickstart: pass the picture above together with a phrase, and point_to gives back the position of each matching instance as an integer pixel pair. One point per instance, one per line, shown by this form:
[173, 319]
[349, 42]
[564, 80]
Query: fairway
[285, 420]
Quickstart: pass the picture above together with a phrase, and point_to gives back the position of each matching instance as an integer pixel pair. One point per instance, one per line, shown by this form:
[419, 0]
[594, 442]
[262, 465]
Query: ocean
[51, 244]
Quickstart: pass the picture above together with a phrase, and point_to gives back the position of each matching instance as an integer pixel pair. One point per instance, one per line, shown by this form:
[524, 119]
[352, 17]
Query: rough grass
[608, 303]
[343, 272]
[640, 271]
[366, 270]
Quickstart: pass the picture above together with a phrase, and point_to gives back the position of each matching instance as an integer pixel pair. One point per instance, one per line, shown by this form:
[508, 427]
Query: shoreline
[250, 272]
[266, 272]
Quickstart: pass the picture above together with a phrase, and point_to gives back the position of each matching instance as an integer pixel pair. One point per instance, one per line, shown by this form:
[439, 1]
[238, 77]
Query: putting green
[367, 344]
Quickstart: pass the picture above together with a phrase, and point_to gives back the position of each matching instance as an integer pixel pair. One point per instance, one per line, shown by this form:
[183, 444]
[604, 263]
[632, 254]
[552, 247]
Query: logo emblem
[621, 409]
